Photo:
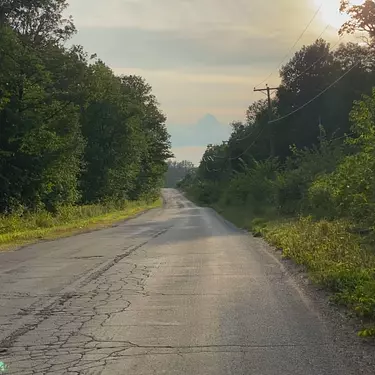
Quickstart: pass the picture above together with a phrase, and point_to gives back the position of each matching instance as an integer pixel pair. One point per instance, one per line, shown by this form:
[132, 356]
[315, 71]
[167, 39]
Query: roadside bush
[293, 183]
[206, 193]
[333, 257]
[254, 188]
[321, 199]
[349, 191]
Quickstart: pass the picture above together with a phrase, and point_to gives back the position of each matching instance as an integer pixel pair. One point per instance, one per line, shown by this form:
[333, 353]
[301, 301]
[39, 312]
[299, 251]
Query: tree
[70, 130]
[215, 163]
[40, 136]
[362, 17]
[249, 140]
[155, 141]
[107, 123]
[38, 21]
[177, 171]
[305, 76]
[127, 141]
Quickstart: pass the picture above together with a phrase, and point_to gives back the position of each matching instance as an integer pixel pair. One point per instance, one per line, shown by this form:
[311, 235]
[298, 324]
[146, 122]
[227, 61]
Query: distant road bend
[174, 291]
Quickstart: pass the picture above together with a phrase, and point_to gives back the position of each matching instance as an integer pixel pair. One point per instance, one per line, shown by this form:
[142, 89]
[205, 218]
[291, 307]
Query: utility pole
[270, 117]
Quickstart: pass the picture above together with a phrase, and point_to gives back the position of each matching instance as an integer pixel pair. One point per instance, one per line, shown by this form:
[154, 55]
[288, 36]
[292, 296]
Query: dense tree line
[177, 171]
[71, 131]
[314, 153]
[298, 86]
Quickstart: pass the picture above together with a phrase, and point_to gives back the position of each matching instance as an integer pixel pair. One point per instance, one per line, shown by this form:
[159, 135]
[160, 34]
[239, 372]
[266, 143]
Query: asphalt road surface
[173, 291]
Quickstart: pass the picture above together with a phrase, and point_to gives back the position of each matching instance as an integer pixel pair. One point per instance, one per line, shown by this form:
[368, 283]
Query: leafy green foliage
[41, 142]
[333, 257]
[316, 199]
[70, 130]
[349, 190]
[177, 171]
[361, 17]
[255, 185]
[24, 227]
[299, 172]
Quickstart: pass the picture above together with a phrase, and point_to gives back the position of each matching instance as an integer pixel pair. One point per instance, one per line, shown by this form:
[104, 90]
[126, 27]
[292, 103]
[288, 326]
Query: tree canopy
[299, 107]
[306, 154]
[177, 171]
[71, 131]
[362, 17]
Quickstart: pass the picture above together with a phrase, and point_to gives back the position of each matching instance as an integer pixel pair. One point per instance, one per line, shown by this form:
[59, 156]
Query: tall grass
[21, 228]
[334, 258]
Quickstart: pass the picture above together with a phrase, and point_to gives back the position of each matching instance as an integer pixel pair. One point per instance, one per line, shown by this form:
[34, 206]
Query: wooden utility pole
[270, 117]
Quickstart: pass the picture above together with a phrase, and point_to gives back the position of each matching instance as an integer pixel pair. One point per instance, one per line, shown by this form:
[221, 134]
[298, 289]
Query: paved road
[174, 291]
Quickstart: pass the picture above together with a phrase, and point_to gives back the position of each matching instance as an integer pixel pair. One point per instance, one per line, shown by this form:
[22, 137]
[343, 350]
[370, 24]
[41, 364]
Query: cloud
[191, 153]
[171, 49]
[200, 56]
[194, 15]
[169, 34]
[187, 94]
[205, 131]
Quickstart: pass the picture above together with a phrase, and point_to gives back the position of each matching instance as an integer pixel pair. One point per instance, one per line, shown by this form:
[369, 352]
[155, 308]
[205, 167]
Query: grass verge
[18, 230]
[336, 259]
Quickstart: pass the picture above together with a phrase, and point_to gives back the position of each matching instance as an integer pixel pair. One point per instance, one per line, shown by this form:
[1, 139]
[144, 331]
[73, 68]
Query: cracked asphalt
[174, 291]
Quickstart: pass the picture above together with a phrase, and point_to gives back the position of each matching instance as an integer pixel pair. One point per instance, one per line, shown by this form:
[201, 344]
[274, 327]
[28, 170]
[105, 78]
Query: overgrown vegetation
[177, 172]
[334, 257]
[306, 181]
[19, 229]
[71, 131]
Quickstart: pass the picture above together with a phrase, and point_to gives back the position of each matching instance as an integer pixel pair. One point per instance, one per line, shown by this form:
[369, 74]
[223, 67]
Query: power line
[317, 96]
[246, 136]
[299, 75]
[249, 147]
[208, 169]
[317, 61]
[295, 43]
[307, 69]
[290, 114]
[298, 109]
[237, 140]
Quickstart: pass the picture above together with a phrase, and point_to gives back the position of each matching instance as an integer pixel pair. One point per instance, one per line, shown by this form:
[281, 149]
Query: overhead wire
[317, 96]
[249, 147]
[318, 60]
[246, 136]
[298, 76]
[295, 43]
[288, 115]
[302, 73]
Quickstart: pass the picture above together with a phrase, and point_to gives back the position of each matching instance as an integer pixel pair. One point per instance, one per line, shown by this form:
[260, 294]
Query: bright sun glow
[330, 11]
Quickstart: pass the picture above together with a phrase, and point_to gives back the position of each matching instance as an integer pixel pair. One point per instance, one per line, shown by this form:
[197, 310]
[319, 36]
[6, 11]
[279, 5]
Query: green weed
[334, 258]
[19, 229]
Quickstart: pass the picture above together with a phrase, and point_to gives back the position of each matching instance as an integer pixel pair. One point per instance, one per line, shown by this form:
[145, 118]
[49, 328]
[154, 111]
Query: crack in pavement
[61, 346]
[52, 334]
[112, 318]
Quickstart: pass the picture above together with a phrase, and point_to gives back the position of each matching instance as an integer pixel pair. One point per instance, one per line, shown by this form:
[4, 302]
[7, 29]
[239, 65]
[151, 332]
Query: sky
[202, 57]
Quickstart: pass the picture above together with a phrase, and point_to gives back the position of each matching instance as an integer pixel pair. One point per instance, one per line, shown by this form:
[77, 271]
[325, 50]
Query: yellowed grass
[19, 231]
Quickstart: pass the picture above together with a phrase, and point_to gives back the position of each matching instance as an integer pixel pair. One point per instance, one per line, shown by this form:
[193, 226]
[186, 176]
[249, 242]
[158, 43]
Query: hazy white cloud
[200, 56]
[190, 93]
[192, 153]
[197, 16]
[207, 130]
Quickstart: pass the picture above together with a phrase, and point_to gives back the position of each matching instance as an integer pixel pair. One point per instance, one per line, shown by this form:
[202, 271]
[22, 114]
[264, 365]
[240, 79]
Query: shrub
[333, 257]
[293, 183]
[254, 187]
[349, 191]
